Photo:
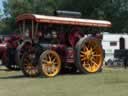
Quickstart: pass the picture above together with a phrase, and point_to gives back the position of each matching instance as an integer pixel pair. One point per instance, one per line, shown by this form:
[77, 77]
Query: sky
[1, 6]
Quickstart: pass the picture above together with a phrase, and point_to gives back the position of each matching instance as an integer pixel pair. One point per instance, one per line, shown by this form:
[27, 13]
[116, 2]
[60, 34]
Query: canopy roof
[64, 20]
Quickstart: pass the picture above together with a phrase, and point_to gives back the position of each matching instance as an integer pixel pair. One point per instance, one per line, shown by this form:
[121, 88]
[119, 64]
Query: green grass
[111, 82]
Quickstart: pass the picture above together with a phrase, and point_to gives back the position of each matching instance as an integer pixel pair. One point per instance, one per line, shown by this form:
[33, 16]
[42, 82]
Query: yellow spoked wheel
[28, 66]
[91, 56]
[50, 63]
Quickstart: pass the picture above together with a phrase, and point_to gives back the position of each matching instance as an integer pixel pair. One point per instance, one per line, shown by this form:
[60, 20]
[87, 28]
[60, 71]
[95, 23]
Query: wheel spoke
[91, 49]
[94, 62]
[44, 61]
[54, 59]
[86, 64]
[83, 59]
[96, 55]
[53, 69]
[49, 57]
[90, 65]
[87, 48]
[82, 55]
[82, 52]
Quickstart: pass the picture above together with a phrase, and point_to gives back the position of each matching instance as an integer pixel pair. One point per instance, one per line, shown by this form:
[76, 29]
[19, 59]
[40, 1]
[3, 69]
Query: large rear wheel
[50, 63]
[89, 56]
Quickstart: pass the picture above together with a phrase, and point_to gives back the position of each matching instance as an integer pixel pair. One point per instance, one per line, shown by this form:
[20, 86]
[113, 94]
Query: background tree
[113, 10]
[13, 8]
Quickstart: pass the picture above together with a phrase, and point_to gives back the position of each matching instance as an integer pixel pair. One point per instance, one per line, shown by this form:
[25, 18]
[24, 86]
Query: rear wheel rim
[91, 56]
[50, 64]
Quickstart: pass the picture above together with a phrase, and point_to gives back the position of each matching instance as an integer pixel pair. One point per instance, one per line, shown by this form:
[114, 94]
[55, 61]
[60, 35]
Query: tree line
[115, 11]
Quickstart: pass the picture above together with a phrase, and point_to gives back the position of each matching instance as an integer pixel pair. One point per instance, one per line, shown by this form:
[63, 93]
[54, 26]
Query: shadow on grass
[9, 70]
[13, 77]
[20, 76]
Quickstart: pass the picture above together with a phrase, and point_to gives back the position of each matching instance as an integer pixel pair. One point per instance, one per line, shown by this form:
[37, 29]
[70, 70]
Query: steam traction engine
[54, 43]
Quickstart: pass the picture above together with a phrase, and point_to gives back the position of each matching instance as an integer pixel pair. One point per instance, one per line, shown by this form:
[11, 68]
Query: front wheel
[89, 55]
[29, 65]
[50, 63]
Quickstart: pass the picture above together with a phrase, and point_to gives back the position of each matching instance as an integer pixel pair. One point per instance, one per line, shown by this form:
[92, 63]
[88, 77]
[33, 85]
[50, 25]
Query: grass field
[111, 82]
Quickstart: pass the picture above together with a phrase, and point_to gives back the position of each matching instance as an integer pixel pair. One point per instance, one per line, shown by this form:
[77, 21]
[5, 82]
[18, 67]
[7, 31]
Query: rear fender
[84, 39]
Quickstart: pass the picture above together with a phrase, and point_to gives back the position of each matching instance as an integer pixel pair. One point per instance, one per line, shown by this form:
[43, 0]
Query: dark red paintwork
[8, 42]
